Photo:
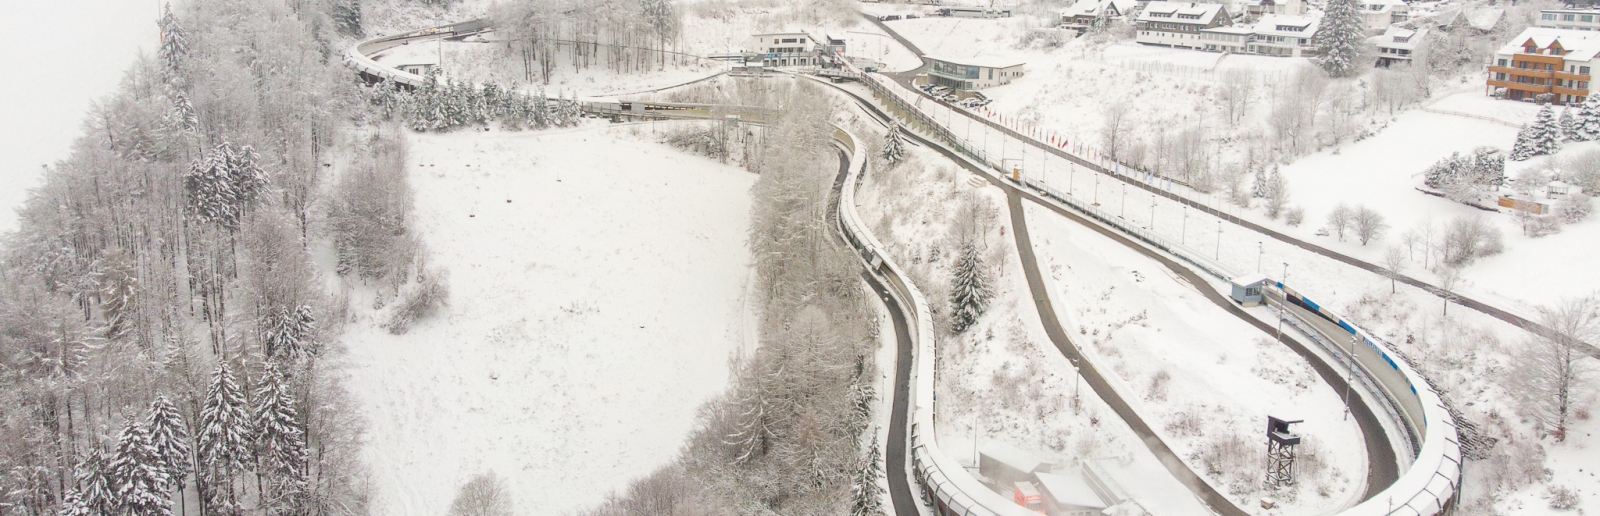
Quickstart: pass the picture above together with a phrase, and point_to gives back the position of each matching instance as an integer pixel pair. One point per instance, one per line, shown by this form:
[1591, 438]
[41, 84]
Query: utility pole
[1123, 204]
[1184, 238]
[1218, 255]
[1152, 212]
[1260, 251]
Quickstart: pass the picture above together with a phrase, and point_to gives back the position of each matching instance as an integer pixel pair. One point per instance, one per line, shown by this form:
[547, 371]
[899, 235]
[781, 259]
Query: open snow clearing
[598, 285]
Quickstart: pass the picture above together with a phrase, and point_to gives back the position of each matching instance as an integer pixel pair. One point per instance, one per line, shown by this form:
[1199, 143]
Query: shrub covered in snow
[432, 292]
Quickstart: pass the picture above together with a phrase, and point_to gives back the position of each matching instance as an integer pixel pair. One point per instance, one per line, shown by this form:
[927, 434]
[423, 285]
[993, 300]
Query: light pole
[1072, 176]
[1123, 204]
[1077, 380]
[1260, 251]
[1283, 305]
[1218, 255]
[1350, 374]
[1184, 238]
[1097, 190]
[1152, 212]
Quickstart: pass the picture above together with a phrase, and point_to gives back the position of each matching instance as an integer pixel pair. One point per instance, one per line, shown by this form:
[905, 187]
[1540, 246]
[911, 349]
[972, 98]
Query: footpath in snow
[597, 284]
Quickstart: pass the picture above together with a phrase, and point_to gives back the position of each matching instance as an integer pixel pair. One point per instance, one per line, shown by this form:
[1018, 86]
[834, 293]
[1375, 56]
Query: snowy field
[598, 287]
[55, 75]
[1199, 376]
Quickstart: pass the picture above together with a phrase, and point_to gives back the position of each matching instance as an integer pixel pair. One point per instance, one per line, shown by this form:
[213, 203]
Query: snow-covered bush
[1535, 226]
[1583, 170]
[1574, 208]
[484, 495]
[1468, 238]
[1294, 216]
[432, 291]
[1563, 498]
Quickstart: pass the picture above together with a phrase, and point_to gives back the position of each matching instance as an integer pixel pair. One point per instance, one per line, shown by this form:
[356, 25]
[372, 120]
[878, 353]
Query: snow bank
[598, 287]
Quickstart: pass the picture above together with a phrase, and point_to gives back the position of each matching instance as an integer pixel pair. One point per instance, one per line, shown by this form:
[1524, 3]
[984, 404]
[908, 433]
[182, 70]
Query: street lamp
[1260, 251]
[1077, 380]
[1283, 305]
[1184, 238]
[1350, 374]
[1152, 212]
[1218, 255]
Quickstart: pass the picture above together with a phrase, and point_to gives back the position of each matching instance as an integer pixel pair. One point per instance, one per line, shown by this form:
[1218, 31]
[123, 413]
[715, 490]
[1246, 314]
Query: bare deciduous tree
[1551, 369]
[1340, 219]
[1237, 88]
[1369, 224]
[1118, 119]
[1394, 261]
[484, 495]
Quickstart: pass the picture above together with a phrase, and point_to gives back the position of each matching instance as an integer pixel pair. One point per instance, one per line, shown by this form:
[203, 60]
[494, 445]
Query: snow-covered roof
[1402, 38]
[1070, 488]
[1009, 455]
[1486, 19]
[1249, 279]
[1237, 30]
[1180, 12]
[983, 60]
[1379, 6]
[1285, 25]
[1575, 45]
[1092, 7]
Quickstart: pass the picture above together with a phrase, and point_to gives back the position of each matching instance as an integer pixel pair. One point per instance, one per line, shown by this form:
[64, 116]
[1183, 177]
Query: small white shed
[1247, 288]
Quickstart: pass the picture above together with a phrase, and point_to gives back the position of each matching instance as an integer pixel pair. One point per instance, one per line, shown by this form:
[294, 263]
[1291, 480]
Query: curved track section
[357, 55]
[1428, 487]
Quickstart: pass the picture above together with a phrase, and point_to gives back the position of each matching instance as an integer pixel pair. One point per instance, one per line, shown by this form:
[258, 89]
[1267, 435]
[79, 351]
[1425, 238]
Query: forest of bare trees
[165, 336]
[624, 36]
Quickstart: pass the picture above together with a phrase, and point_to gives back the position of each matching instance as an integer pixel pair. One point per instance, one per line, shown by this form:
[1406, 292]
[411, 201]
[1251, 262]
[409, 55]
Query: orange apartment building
[1545, 60]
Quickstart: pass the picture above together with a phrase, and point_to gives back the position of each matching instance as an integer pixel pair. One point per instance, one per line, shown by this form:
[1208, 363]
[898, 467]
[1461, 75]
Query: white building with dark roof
[1543, 60]
[1178, 24]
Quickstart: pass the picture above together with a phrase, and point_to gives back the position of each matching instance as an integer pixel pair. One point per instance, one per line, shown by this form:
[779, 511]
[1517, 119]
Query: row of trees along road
[163, 331]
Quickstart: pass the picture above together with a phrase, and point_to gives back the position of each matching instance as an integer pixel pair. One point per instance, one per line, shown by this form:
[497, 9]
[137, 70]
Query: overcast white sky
[59, 56]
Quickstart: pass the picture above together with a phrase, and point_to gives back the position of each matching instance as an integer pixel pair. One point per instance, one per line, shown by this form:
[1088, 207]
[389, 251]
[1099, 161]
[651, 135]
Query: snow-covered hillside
[597, 286]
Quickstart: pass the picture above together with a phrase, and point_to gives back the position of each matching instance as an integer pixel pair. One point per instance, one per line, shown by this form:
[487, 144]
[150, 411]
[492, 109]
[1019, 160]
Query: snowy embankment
[597, 292]
[1202, 378]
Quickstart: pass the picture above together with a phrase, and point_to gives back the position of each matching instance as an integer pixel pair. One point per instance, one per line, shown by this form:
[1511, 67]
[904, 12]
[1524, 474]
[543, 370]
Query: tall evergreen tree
[1340, 37]
[1522, 149]
[223, 184]
[93, 484]
[169, 435]
[174, 48]
[969, 289]
[137, 482]
[894, 150]
[347, 16]
[867, 495]
[1258, 188]
[1588, 121]
[224, 424]
[1546, 135]
[279, 441]
[286, 334]
[1567, 125]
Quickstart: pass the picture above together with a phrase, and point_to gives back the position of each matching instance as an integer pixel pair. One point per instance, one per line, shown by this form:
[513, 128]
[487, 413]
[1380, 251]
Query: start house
[785, 49]
[1542, 60]
[973, 73]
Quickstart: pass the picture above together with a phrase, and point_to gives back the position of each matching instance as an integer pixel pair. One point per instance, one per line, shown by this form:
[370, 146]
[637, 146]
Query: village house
[1175, 24]
[1284, 35]
[1380, 14]
[1086, 13]
[1397, 44]
[1544, 60]
[973, 73]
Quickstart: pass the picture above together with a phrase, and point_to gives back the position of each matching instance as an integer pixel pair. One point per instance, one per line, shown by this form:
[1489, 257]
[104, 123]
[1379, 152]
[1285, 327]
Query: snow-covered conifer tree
[1258, 188]
[174, 48]
[93, 485]
[137, 482]
[73, 505]
[279, 441]
[1342, 33]
[1443, 173]
[1567, 125]
[867, 495]
[1488, 167]
[347, 16]
[224, 424]
[893, 149]
[1523, 148]
[1587, 125]
[286, 334]
[969, 289]
[1546, 136]
[169, 436]
[223, 184]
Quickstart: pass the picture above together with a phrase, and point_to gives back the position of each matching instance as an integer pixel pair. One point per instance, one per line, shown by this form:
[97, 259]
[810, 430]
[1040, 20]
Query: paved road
[894, 455]
[904, 79]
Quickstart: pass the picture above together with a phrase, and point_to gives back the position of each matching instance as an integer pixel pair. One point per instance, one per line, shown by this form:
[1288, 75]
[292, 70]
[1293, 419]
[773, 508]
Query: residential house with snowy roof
[1178, 24]
[1544, 60]
[1083, 15]
[1284, 35]
[1255, 9]
[1570, 19]
[1397, 44]
[1380, 14]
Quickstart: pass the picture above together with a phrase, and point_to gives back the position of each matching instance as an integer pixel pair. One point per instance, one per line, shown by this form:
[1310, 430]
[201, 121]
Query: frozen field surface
[597, 284]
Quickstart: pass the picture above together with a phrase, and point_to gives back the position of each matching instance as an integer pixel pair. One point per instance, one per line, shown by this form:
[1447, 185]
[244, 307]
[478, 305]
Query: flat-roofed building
[1570, 19]
[785, 49]
[973, 73]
